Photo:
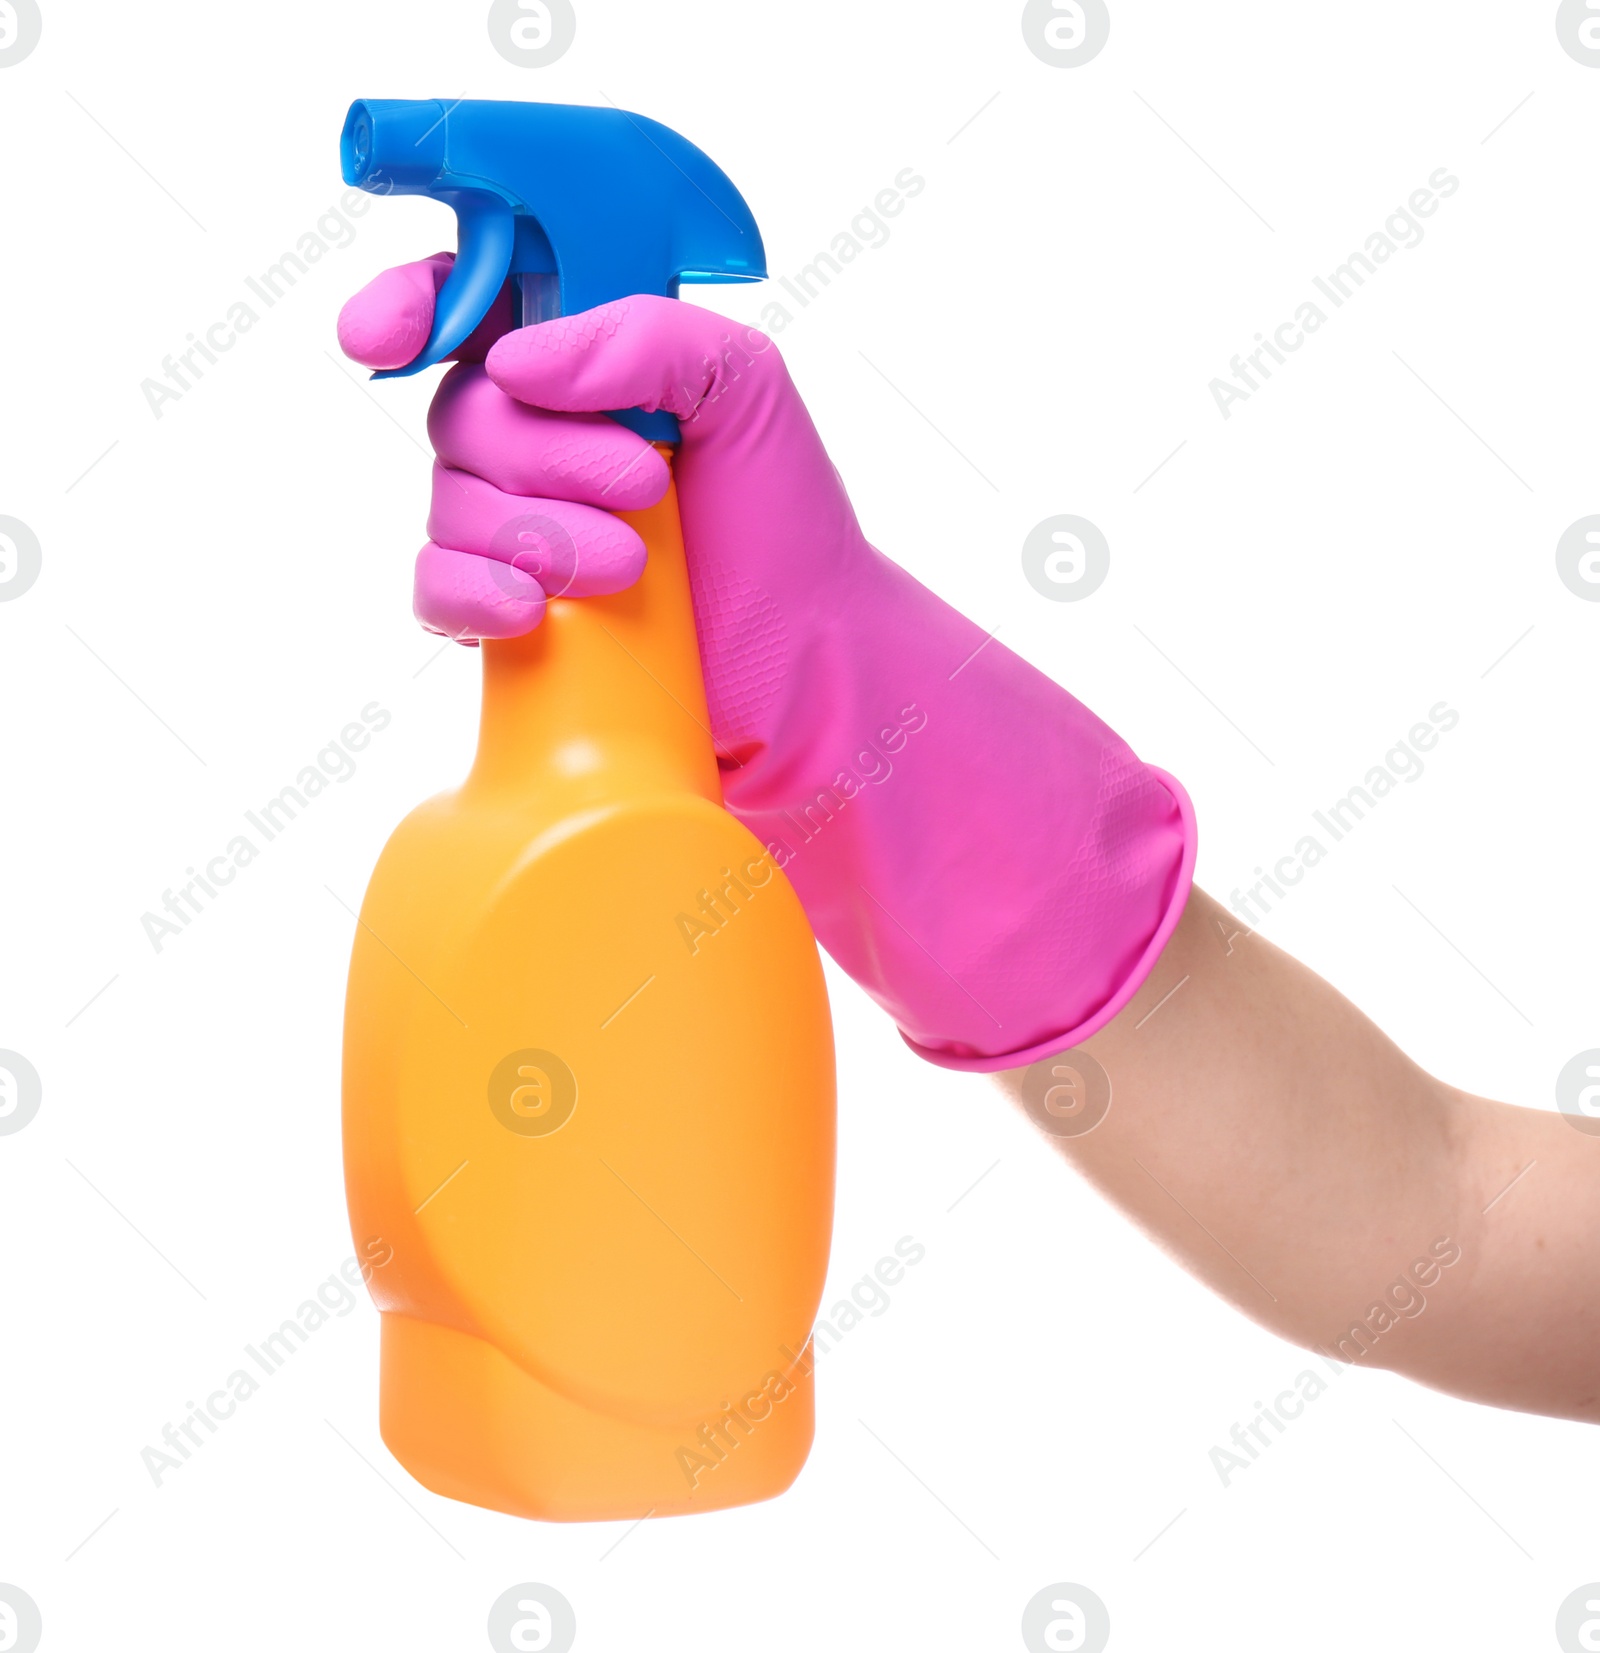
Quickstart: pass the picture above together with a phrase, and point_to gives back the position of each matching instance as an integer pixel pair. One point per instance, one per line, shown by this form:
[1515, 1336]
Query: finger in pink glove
[533, 516]
[389, 320]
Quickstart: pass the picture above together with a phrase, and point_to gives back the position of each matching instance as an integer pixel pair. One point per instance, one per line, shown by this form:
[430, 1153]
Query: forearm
[1265, 1133]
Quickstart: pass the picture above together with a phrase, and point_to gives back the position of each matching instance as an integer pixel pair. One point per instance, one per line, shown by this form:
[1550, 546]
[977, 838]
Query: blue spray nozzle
[599, 202]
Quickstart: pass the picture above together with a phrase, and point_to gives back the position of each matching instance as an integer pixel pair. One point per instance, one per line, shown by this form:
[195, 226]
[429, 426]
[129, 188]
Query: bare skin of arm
[1264, 1133]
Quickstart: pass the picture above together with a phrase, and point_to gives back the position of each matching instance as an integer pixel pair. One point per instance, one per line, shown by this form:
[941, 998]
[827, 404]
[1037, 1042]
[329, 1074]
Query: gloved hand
[970, 843]
[491, 561]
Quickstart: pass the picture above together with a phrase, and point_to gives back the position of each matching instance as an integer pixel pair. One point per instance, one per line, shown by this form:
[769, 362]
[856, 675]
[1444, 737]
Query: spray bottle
[603, 1162]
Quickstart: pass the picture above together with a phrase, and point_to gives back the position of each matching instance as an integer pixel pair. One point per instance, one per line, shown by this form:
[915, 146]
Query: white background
[228, 585]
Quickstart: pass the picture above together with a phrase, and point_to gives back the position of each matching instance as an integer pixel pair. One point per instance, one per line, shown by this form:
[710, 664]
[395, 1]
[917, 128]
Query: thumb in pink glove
[971, 843]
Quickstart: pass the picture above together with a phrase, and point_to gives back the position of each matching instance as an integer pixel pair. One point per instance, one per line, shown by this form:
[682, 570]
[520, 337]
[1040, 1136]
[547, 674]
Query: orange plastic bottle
[598, 1141]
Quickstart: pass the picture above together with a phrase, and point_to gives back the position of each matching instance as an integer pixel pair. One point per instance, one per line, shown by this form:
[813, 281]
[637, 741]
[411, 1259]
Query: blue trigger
[486, 232]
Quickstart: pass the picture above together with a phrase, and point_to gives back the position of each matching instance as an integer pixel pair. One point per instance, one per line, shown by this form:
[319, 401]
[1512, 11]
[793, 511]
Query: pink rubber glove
[970, 843]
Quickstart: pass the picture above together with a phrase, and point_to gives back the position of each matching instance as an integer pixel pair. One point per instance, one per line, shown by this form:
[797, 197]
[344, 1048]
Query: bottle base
[469, 1423]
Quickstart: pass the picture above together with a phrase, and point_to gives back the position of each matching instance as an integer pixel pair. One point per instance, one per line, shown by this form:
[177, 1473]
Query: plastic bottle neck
[605, 698]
